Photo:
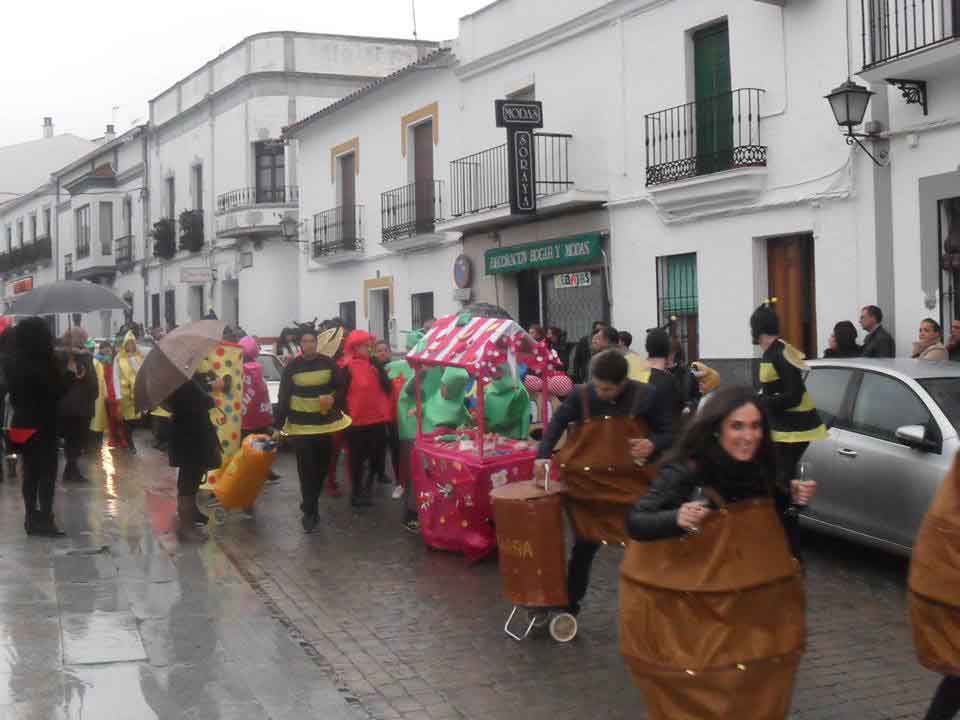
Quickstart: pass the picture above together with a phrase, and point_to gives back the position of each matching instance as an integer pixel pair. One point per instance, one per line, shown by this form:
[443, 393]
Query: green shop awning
[574, 250]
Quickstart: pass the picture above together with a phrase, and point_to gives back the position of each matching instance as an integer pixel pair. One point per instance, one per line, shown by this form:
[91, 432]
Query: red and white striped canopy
[479, 345]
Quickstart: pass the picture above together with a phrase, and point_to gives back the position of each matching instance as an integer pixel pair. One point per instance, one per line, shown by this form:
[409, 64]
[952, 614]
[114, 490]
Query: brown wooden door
[423, 176]
[790, 271]
[348, 199]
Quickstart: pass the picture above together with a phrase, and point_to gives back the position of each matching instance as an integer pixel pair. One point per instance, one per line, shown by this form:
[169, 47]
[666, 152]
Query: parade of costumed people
[712, 604]
[310, 408]
[126, 365]
[934, 595]
[457, 459]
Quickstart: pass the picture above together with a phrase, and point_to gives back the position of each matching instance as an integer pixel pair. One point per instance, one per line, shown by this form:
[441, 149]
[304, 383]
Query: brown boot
[186, 510]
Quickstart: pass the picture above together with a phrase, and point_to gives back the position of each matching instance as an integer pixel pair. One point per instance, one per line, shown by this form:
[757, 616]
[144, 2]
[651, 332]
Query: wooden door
[714, 108]
[423, 177]
[790, 270]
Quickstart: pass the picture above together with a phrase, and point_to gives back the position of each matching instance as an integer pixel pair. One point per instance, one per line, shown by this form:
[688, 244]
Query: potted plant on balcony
[164, 243]
[191, 230]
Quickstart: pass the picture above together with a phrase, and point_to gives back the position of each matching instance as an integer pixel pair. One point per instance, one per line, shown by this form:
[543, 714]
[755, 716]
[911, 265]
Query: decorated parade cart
[454, 469]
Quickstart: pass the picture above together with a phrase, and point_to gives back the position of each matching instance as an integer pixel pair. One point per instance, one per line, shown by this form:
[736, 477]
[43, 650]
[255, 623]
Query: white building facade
[101, 220]
[222, 181]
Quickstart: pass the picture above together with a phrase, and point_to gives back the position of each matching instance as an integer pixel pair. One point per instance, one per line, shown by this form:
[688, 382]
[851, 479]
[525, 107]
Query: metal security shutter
[575, 309]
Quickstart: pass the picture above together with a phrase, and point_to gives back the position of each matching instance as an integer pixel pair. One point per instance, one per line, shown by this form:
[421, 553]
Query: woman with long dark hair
[36, 384]
[711, 599]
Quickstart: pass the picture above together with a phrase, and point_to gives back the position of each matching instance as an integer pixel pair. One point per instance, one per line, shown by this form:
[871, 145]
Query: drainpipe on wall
[55, 242]
[145, 221]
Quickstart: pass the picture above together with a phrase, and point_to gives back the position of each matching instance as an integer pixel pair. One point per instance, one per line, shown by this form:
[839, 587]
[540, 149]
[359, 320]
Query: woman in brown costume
[711, 600]
[935, 595]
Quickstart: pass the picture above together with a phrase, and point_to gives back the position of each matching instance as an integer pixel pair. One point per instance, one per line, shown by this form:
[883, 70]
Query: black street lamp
[849, 104]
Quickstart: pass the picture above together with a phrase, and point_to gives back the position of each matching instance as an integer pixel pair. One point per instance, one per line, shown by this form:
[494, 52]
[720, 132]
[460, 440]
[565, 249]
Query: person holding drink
[711, 599]
[615, 431]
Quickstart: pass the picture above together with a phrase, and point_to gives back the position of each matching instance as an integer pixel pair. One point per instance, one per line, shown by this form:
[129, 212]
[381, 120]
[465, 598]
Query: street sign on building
[520, 118]
[18, 287]
[552, 253]
[196, 276]
[573, 280]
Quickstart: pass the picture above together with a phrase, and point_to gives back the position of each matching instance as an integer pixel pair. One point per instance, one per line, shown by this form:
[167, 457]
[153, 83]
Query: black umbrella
[67, 296]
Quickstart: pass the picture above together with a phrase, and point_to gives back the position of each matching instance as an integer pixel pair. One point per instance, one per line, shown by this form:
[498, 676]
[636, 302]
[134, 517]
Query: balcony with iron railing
[337, 234]
[480, 184]
[34, 253]
[706, 151]
[256, 211]
[920, 33]
[409, 214]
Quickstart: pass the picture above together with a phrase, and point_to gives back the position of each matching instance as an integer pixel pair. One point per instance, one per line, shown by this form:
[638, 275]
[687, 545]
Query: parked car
[893, 436]
[272, 372]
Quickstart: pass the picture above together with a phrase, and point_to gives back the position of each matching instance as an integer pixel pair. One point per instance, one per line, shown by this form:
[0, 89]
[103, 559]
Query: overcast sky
[75, 61]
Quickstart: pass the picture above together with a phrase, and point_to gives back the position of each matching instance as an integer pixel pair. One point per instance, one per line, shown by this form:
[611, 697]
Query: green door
[714, 102]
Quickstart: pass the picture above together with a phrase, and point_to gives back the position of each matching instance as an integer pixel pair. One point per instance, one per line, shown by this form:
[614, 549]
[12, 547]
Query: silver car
[893, 436]
[272, 372]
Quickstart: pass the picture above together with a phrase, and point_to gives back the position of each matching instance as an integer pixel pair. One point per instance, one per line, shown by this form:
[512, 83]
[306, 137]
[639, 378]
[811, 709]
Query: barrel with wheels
[529, 522]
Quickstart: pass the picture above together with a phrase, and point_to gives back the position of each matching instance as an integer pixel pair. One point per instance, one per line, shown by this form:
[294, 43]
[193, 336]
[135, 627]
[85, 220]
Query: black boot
[45, 526]
[30, 522]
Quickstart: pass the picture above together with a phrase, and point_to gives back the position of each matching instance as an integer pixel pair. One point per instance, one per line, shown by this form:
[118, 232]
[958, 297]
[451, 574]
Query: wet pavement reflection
[119, 620]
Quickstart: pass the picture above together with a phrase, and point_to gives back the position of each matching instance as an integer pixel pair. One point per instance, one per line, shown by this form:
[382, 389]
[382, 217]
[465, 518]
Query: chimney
[110, 134]
[48, 127]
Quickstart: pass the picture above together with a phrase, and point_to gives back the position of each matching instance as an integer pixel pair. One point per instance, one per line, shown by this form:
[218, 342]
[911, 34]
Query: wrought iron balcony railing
[124, 250]
[894, 28]
[479, 182]
[705, 136]
[410, 210]
[339, 229]
[30, 253]
[250, 196]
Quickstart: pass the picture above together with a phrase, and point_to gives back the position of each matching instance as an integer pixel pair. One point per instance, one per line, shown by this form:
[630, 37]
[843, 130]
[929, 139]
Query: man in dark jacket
[878, 343]
[579, 369]
[77, 406]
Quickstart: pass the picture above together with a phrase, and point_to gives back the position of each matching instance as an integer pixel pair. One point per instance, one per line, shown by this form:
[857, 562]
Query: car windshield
[272, 369]
[946, 393]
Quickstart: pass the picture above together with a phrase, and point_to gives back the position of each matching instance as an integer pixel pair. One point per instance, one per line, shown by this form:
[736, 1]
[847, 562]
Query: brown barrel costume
[531, 545]
[601, 477]
[713, 625]
[935, 581]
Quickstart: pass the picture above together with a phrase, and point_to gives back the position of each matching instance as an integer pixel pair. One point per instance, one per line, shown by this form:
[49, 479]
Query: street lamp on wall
[290, 230]
[849, 104]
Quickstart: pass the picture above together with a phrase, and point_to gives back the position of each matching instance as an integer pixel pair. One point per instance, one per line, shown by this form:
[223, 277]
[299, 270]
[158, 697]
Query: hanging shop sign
[520, 118]
[573, 280]
[18, 287]
[552, 253]
[196, 276]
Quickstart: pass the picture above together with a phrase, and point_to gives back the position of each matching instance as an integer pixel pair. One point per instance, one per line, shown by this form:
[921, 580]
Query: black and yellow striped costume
[304, 382]
[793, 416]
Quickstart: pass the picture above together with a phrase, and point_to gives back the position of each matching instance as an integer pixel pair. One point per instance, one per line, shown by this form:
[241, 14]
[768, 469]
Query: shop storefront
[561, 282]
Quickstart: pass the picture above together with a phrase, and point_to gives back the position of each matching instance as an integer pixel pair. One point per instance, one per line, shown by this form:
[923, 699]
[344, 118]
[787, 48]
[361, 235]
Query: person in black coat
[36, 383]
[78, 405]
[194, 445]
[878, 343]
[843, 342]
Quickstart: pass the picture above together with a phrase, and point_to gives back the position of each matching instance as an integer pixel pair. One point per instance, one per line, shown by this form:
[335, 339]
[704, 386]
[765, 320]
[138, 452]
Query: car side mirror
[914, 436]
